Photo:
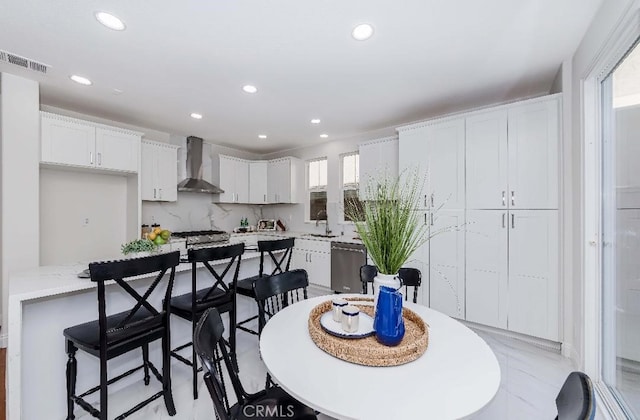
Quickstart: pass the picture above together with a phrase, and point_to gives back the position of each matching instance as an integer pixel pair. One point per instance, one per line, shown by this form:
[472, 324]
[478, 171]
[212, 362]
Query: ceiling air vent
[26, 63]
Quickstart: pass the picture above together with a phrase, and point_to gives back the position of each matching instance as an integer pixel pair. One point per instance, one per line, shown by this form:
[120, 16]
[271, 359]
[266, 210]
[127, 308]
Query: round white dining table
[456, 376]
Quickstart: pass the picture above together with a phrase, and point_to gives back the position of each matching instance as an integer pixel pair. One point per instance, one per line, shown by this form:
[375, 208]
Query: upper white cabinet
[487, 158]
[234, 180]
[159, 173]
[73, 142]
[512, 157]
[258, 189]
[283, 180]
[437, 151]
[378, 159]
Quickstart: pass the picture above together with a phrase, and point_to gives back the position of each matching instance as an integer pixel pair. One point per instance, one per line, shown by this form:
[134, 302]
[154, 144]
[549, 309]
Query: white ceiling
[177, 57]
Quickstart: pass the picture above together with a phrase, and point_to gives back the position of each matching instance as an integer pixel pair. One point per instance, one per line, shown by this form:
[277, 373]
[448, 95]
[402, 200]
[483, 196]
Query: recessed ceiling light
[262, 136]
[110, 21]
[249, 88]
[315, 121]
[324, 136]
[362, 32]
[196, 116]
[81, 80]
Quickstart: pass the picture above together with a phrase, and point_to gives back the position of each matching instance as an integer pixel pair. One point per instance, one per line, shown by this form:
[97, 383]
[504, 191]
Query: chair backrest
[282, 262]
[211, 349]
[118, 271]
[410, 277]
[205, 256]
[279, 291]
[576, 400]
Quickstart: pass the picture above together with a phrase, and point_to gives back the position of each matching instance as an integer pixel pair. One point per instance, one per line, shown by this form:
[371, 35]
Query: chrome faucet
[326, 221]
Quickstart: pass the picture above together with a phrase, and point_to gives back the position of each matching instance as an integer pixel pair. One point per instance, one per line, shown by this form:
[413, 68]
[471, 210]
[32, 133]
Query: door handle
[431, 219]
[425, 219]
[265, 198]
[513, 221]
[432, 198]
[100, 159]
[504, 216]
[513, 198]
[159, 192]
[154, 193]
[91, 158]
[504, 198]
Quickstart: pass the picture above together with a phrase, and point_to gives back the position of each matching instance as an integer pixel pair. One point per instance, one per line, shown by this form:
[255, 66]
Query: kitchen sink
[320, 235]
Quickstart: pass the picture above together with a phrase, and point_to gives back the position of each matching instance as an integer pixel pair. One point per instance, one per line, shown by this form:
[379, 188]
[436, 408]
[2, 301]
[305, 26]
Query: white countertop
[59, 279]
[301, 235]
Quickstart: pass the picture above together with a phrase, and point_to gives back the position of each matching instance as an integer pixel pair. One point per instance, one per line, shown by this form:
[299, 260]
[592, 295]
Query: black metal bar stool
[281, 264]
[410, 277]
[191, 306]
[113, 335]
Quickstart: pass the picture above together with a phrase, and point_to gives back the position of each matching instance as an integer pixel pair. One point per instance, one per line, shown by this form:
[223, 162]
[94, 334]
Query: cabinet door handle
[159, 192]
[310, 257]
[431, 219]
[432, 198]
[265, 198]
[513, 221]
[100, 159]
[91, 158]
[425, 200]
[504, 216]
[154, 193]
[504, 198]
[513, 198]
[425, 218]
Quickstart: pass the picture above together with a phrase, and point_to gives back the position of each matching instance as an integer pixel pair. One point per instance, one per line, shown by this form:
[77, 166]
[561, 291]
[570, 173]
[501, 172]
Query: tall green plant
[392, 229]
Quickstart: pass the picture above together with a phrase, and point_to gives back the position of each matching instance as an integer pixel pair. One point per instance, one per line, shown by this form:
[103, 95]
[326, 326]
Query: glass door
[621, 232]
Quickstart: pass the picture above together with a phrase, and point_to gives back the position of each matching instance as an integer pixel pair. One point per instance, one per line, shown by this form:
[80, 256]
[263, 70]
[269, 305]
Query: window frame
[309, 189]
[348, 187]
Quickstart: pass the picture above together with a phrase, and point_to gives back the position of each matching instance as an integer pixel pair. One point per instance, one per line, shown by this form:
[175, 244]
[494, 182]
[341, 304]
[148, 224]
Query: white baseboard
[538, 342]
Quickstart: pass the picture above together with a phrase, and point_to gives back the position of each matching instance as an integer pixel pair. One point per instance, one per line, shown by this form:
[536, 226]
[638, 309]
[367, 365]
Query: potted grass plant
[389, 224]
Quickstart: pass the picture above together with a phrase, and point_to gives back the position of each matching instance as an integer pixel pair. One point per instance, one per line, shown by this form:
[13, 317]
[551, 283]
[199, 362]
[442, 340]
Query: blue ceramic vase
[388, 322]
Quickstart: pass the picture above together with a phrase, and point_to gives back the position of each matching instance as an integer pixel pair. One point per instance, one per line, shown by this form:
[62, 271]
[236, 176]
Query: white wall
[587, 53]
[82, 218]
[20, 141]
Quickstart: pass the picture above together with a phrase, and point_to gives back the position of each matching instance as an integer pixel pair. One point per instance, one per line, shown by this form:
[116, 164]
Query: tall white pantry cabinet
[498, 265]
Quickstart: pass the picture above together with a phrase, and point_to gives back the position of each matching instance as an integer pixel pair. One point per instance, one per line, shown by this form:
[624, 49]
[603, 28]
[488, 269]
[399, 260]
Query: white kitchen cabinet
[234, 180]
[73, 142]
[420, 260]
[117, 150]
[447, 263]
[533, 155]
[437, 152]
[533, 273]
[159, 172]
[315, 258]
[283, 180]
[487, 158]
[512, 157]
[487, 267]
[258, 173]
[378, 159]
[627, 299]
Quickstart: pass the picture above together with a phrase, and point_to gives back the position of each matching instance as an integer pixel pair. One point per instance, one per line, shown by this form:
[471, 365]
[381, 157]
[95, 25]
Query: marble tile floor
[531, 379]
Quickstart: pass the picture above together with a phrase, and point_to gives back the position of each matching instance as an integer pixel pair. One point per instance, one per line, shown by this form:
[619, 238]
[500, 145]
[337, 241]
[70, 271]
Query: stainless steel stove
[200, 239]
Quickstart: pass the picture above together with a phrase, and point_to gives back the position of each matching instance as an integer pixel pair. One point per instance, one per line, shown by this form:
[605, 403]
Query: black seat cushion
[181, 305]
[142, 324]
[245, 286]
[277, 401]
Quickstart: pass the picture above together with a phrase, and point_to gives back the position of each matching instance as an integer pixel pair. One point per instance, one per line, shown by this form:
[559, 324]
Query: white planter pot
[388, 280]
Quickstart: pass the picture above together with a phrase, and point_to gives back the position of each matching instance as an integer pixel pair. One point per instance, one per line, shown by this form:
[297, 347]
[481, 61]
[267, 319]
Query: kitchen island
[46, 300]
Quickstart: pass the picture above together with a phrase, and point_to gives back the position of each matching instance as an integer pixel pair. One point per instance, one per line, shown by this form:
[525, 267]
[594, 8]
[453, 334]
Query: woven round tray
[368, 351]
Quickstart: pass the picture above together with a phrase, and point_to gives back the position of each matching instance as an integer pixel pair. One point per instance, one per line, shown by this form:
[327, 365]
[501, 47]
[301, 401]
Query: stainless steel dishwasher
[346, 260]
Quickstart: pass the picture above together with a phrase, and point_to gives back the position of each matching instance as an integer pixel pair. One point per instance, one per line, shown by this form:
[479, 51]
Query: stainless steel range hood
[194, 181]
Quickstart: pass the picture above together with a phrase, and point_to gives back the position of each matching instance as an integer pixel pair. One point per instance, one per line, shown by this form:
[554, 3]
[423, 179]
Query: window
[350, 185]
[317, 188]
[621, 232]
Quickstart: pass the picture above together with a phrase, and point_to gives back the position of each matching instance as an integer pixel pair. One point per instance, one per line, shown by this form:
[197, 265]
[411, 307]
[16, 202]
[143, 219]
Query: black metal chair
[281, 263]
[113, 335]
[410, 277]
[190, 306]
[576, 399]
[272, 403]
